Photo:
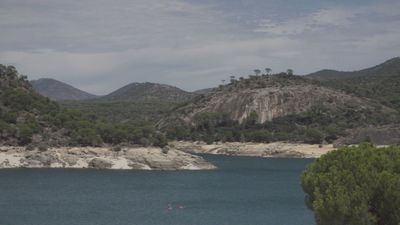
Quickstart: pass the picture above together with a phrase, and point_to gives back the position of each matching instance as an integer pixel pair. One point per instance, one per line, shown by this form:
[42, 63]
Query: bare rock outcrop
[274, 102]
[265, 150]
[273, 97]
[102, 158]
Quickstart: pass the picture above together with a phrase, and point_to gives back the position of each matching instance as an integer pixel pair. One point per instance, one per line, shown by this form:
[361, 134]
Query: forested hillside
[26, 117]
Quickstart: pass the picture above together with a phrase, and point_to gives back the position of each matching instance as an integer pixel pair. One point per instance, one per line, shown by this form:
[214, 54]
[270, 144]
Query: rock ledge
[266, 150]
[102, 158]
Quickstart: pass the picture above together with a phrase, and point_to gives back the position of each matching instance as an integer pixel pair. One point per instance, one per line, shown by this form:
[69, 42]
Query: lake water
[244, 191]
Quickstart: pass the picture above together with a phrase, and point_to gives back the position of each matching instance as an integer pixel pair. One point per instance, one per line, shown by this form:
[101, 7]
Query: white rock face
[102, 158]
[273, 102]
[270, 150]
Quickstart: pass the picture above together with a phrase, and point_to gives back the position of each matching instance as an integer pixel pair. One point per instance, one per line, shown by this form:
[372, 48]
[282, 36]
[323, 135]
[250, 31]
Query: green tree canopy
[355, 186]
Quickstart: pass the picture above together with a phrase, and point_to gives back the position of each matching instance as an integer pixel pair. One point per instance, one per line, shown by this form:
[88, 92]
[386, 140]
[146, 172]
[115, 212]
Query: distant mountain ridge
[59, 91]
[390, 67]
[381, 82]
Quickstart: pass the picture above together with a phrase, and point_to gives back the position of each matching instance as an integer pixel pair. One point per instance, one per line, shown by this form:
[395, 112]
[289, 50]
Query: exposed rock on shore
[270, 150]
[102, 158]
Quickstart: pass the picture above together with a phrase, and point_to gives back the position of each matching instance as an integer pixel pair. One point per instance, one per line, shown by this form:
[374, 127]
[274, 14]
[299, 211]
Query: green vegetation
[88, 130]
[384, 89]
[26, 117]
[150, 110]
[380, 82]
[355, 185]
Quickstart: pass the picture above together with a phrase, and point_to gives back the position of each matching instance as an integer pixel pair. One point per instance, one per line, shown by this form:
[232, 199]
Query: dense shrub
[24, 134]
[355, 185]
[314, 136]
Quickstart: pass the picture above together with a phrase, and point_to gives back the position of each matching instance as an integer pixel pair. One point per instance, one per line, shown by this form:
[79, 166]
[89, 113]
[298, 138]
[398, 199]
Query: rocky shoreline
[177, 157]
[266, 150]
[139, 158]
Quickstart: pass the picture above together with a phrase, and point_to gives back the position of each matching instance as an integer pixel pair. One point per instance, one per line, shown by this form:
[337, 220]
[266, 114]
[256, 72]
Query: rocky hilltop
[274, 96]
[274, 108]
[59, 91]
[102, 158]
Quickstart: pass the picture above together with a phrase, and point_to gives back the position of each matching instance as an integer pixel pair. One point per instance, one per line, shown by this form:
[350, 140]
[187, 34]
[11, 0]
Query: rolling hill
[59, 91]
[147, 92]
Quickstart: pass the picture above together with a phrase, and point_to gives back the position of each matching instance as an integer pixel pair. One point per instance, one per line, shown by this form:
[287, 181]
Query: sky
[102, 45]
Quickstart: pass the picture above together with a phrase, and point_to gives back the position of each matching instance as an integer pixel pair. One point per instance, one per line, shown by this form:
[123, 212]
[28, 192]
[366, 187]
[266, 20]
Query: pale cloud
[101, 45]
[335, 17]
[46, 62]
[312, 22]
[215, 60]
[106, 26]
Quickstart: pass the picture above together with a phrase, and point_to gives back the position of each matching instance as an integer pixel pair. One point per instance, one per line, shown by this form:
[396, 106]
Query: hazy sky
[101, 45]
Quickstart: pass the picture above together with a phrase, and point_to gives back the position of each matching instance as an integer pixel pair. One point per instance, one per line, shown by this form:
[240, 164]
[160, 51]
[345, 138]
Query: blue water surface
[243, 191]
